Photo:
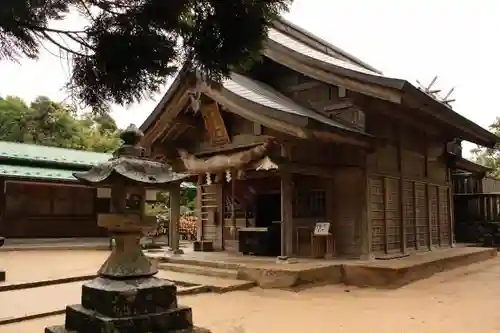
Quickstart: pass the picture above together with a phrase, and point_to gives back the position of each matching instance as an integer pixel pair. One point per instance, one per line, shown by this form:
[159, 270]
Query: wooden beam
[169, 113]
[346, 138]
[237, 142]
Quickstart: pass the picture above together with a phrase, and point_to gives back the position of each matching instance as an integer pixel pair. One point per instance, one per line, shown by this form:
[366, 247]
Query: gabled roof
[299, 50]
[302, 58]
[29, 161]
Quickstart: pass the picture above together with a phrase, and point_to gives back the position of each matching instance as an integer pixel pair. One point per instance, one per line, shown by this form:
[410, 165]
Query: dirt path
[459, 301]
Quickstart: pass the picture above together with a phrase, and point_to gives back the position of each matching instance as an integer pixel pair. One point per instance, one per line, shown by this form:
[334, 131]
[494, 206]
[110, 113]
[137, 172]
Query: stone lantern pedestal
[126, 297]
[2, 272]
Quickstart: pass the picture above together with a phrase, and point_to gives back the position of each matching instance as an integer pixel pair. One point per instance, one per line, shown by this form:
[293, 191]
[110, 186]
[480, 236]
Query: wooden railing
[475, 214]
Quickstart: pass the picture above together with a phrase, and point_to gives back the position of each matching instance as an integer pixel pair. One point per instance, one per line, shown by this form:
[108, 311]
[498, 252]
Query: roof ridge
[335, 49]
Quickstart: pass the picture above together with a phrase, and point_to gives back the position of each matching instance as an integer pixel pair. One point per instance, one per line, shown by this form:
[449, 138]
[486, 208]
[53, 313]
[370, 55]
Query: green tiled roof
[29, 152]
[16, 171]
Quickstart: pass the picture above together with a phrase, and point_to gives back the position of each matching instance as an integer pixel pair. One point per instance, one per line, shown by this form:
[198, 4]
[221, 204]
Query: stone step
[161, 257]
[215, 284]
[199, 270]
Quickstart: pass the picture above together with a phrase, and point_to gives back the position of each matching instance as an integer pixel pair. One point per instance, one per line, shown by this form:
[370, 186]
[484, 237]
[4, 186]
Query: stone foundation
[147, 305]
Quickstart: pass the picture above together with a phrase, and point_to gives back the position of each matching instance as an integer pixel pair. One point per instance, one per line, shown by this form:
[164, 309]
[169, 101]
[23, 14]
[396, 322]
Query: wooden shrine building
[39, 196]
[312, 134]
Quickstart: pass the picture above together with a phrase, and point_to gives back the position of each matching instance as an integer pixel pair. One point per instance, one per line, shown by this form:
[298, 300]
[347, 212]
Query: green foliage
[48, 123]
[487, 156]
[130, 47]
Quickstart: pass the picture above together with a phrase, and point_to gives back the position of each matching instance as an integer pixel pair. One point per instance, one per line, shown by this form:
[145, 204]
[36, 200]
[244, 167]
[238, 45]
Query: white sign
[104, 192]
[322, 229]
[151, 195]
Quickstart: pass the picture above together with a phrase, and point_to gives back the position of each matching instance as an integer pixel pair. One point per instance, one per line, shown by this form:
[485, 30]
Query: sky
[410, 39]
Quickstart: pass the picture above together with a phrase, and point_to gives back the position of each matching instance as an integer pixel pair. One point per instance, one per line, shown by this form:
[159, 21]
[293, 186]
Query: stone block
[203, 246]
[131, 297]
[194, 329]
[83, 320]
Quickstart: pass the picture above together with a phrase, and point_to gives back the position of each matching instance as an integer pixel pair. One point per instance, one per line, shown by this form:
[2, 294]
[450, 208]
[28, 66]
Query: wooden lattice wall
[409, 191]
[425, 208]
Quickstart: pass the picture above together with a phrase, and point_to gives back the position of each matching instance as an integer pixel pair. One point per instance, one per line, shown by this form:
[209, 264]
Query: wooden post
[199, 225]
[438, 213]
[415, 213]
[451, 218]
[401, 190]
[366, 222]
[220, 212]
[386, 208]
[3, 194]
[175, 212]
[286, 214]
[429, 213]
[233, 203]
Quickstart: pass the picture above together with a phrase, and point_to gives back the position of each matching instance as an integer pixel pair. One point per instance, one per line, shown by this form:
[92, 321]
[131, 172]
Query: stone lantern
[2, 273]
[126, 297]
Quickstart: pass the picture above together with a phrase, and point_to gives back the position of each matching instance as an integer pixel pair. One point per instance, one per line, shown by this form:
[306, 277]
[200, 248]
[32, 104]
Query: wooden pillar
[3, 194]
[220, 213]
[401, 189]
[365, 216]
[429, 213]
[385, 186]
[175, 213]
[438, 213]
[286, 214]
[451, 217]
[199, 224]
[415, 215]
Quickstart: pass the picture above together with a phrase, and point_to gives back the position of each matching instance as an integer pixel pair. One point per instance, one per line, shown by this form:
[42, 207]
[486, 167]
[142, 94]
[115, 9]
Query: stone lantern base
[145, 305]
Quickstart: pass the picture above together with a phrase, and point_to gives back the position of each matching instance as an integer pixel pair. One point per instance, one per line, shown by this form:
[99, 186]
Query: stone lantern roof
[129, 164]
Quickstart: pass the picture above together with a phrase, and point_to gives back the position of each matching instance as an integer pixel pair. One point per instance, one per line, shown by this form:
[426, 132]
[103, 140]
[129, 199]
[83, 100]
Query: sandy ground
[462, 300]
[28, 266]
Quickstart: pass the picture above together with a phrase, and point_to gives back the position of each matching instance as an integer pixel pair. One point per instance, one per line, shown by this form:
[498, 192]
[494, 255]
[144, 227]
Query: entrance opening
[268, 210]
[265, 238]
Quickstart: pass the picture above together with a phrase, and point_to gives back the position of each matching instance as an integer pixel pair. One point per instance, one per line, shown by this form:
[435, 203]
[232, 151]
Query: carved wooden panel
[214, 124]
